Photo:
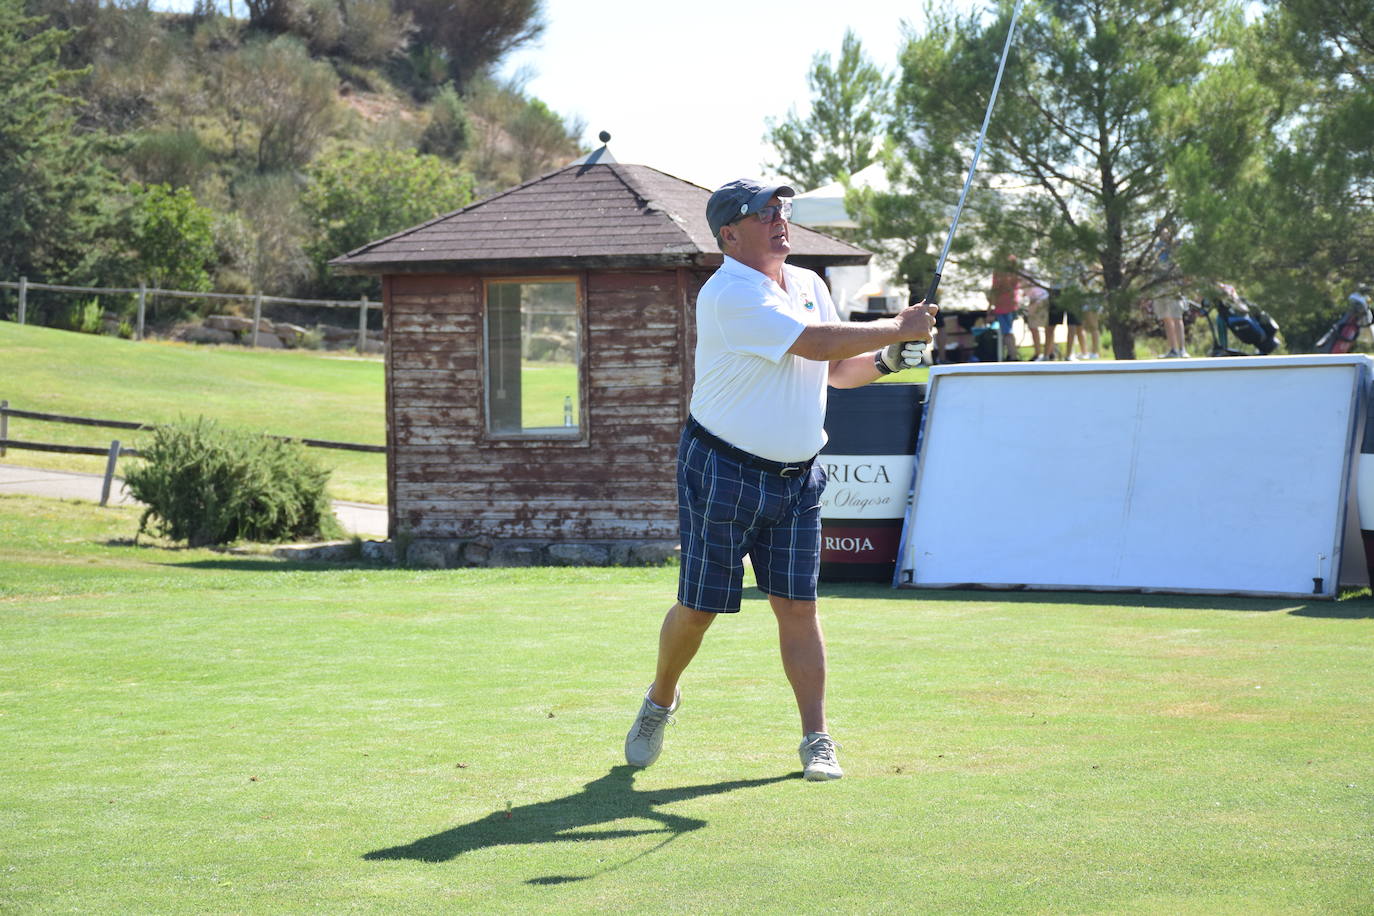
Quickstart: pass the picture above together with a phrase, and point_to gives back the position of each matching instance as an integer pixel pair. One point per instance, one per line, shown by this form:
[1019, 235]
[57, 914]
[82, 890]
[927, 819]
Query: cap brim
[761, 199]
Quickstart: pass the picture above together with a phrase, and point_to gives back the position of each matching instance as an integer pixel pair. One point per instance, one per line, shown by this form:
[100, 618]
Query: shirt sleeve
[754, 323]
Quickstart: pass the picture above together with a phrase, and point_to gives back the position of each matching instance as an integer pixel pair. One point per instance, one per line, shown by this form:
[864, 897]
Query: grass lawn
[284, 392]
[186, 732]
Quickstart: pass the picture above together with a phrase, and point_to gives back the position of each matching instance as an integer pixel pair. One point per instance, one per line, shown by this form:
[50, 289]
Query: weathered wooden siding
[450, 480]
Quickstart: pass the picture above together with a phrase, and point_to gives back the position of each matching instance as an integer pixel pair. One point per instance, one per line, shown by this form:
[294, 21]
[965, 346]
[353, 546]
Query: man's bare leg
[803, 658]
[678, 642]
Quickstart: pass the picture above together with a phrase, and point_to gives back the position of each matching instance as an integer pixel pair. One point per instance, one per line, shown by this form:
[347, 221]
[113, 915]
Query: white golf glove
[899, 356]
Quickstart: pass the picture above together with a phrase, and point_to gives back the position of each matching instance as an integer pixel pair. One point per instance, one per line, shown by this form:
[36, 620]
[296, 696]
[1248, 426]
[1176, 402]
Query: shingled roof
[601, 215]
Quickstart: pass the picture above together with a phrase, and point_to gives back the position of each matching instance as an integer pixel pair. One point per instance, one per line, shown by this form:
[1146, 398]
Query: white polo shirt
[749, 390]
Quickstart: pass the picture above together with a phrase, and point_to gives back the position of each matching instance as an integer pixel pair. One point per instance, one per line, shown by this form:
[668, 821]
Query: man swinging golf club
[769, 341]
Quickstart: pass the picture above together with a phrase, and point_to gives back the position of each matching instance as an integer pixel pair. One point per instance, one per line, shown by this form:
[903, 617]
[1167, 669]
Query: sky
[688, 88]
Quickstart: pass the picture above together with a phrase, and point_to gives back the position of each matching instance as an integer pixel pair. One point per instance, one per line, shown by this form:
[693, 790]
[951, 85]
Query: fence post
[4, 425]
[362, 327]
[109, 472]
[142, 301]
[257, 318]
[23, 297]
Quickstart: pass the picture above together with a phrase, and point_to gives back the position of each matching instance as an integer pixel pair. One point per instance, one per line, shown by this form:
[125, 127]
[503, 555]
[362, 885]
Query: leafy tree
[285, 97]
[542, 139]
[1296, 224]
[52, 183]
[267, 232]
[356, 196]
[171, 237]
[515, 137]
[844, 130]
[474, 35]
[1074, 175]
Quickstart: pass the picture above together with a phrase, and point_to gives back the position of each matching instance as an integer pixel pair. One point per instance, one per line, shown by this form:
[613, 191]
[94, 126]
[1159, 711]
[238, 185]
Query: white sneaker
[645, 740]
[818, 757]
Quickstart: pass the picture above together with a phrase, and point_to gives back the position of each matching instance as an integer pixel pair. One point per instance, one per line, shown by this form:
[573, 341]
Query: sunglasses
[769, 214]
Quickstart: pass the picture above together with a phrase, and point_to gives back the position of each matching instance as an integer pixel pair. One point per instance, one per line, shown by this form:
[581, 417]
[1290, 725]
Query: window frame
[583, 435]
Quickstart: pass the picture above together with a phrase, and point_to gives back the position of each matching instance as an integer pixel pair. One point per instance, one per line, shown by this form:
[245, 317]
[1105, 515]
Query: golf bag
[1234, 317]
[1341, 337]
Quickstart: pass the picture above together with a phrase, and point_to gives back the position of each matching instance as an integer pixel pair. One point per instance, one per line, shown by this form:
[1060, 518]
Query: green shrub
[83, 316]
[448, 129]
[204, 484]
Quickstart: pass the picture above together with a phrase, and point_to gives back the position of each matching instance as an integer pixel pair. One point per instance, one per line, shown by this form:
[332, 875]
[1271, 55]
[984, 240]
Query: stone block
[578, 555]
[200, 334]
[478, 552]
[329, 552]
[266, 341]
[653, 553]
[432, 553]
[229, 323]
[379, 552]
[289, 334]
[334, 332]
[515, 554]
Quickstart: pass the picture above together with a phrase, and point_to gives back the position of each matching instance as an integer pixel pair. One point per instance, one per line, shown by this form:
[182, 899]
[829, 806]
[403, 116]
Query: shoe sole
[818, 776]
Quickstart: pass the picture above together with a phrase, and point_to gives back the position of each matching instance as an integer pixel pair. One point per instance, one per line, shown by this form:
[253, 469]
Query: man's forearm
[830, 342]
[854, 372]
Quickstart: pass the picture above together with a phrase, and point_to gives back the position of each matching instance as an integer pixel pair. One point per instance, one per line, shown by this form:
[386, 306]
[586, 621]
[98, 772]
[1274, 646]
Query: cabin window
[534, 358]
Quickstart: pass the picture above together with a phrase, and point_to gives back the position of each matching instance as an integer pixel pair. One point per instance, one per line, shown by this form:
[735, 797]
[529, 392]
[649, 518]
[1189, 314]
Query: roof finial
[604, 137]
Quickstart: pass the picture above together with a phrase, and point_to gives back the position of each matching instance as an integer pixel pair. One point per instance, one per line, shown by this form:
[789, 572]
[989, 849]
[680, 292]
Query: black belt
[748, 459]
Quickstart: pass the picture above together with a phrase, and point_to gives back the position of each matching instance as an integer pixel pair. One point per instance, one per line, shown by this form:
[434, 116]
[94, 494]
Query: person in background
[1037, 319]
[1062, 311]
[1092, 323]
[1169, 305]
[1004, 302]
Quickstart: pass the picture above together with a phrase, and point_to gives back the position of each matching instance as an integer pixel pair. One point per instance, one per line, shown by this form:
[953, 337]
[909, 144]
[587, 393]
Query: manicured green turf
[291, 393]
[188, 732]
[545, 387]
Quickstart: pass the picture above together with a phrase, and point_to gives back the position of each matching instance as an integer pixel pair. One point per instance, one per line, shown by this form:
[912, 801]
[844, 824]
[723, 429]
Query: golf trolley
[1228, 316]
[1342, 335]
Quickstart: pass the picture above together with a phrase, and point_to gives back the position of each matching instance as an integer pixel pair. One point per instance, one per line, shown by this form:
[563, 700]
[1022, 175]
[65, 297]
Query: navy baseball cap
[740, 197]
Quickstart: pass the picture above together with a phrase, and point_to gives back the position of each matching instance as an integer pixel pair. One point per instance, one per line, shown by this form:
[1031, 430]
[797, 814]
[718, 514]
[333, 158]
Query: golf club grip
[933, 291]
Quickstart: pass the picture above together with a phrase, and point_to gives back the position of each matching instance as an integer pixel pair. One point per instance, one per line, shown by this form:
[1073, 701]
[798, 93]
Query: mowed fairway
[303, 393]
[192, 732]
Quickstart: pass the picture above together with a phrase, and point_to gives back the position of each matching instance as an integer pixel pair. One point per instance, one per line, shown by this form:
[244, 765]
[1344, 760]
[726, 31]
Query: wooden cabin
[539, 348]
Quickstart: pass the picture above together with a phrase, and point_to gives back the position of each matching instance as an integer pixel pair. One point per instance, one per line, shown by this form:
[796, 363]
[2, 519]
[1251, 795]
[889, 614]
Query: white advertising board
[1198, 475]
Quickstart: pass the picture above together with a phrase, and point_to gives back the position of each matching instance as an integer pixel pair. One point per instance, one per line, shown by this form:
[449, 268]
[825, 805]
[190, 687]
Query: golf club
[930, 297]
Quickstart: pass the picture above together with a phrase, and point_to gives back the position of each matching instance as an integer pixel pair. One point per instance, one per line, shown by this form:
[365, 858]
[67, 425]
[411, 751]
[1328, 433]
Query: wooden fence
[143, 293]
[116, 450]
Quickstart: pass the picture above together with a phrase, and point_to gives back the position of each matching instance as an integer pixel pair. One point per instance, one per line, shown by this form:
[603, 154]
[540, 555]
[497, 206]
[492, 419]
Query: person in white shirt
[769, 341]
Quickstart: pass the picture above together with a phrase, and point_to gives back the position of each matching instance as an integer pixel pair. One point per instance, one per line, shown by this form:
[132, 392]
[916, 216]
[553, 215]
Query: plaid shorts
[728, 510]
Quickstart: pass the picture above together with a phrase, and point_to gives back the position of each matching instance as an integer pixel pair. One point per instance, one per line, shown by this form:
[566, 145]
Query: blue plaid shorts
[728, 510]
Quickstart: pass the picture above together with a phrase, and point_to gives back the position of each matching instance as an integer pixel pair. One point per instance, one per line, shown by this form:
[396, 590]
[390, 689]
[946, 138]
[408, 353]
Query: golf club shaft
[977, 151]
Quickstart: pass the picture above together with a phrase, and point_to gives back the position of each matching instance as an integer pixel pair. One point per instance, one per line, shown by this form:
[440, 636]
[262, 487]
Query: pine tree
[52, 182]
[844, 129]
[1098, 98]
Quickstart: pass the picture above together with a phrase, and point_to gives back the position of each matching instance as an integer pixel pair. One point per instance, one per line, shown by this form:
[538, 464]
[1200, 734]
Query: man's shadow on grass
[568, 819]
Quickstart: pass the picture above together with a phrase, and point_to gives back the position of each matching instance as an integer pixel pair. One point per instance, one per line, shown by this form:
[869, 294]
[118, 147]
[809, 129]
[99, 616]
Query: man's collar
[744, 271]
